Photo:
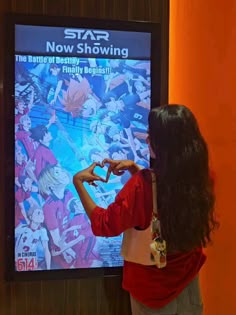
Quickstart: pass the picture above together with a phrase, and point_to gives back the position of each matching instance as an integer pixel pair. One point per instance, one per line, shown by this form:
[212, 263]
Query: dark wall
[98, 296]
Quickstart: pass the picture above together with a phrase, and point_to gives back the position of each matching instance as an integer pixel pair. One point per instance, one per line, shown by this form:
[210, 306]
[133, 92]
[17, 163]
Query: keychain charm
[158, 244]
[158, 252]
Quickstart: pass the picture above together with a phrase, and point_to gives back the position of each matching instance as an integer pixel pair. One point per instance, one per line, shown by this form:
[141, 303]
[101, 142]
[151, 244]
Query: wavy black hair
[185, 194]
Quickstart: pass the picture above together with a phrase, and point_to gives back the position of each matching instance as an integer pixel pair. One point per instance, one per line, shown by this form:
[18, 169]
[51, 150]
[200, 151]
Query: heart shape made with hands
[109, 171]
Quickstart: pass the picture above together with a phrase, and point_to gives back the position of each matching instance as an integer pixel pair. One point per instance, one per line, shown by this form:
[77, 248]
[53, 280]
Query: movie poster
[80, 96]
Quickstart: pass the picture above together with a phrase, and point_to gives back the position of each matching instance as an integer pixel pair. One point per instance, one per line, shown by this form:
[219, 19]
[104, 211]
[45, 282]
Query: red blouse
[133, 208]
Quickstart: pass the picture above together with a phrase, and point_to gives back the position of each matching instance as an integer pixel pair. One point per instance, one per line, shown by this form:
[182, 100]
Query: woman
[185, 203]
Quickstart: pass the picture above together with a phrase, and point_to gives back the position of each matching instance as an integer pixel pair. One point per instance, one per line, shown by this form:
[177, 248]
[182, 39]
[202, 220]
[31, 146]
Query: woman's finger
[92, 167]
[118, 172]
[107, 161]
[99, 178]
[92, 183]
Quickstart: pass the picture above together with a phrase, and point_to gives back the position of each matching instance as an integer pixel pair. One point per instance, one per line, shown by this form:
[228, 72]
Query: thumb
[105, 161]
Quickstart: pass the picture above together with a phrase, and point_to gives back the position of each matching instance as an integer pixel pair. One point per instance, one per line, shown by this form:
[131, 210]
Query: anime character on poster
[31, 239]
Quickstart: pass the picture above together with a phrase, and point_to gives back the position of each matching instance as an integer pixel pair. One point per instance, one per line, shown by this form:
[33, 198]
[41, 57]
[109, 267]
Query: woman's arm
[88, 176]
[120, 215]
[87, 202]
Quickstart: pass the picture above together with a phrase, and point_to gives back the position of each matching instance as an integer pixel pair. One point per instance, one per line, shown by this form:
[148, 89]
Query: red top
[56, 213]
[24, 137]
[43, 156]
[20, 169]
[20, 197]
[133, 208]
[19, 115]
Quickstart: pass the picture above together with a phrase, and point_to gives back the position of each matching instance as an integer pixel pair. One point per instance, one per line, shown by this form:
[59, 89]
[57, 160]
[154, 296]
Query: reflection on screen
[72, 110]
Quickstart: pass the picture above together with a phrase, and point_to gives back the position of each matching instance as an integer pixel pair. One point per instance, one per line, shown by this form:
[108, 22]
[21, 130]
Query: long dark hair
[184, 185]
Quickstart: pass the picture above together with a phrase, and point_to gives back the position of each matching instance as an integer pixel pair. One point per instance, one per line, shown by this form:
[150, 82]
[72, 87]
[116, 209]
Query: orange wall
[203, 77]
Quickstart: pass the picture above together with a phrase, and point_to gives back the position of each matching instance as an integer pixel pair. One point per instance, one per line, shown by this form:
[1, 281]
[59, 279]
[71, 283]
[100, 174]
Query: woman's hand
[88, 175]
[118, 167]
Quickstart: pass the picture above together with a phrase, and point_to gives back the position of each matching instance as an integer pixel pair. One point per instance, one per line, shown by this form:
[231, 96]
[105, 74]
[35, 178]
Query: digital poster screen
[81, 95]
